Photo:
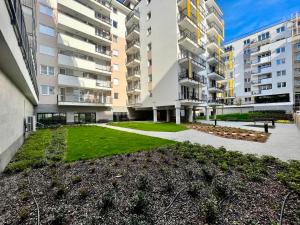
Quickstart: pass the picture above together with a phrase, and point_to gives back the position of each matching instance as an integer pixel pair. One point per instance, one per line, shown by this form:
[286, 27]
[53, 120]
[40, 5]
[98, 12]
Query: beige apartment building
[81, 61]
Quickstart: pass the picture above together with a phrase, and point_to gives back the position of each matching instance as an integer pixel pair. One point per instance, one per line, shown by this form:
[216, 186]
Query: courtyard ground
[283, 143]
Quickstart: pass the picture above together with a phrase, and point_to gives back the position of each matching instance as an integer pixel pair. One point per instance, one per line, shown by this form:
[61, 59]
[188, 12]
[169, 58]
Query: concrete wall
[297, 119]
[15, 107]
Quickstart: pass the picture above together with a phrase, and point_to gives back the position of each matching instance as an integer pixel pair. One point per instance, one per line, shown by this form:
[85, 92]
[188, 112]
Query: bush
[139, 203]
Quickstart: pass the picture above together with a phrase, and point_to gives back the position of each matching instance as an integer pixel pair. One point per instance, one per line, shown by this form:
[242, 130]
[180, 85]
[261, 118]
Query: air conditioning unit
[31, 124]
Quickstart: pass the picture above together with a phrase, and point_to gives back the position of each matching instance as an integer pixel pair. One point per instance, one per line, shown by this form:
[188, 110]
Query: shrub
[76, 179]
[23, 213]
[143, 182]
[83, 192]
[139, 203]
[106, 202]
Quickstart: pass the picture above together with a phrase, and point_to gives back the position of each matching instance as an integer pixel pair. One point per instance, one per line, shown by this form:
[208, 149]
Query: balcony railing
[219, 87]
[196, 59]
[84, 99]
[105, 3]
[192, 17]
[132, 43]
[103, 18]
[195, 77]
[103, 51]
[214, 25]
[132, 58]
[133, 73]
[134, 27]
[133, 88]
[214, 11]
[132, 14]
[190, 96]
[215, 101]
[17, 19]
[193, 37]
[103, 34]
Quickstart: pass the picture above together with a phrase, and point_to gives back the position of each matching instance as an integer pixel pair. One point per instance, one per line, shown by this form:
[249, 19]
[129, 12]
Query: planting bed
[176, 185]
[231, 132]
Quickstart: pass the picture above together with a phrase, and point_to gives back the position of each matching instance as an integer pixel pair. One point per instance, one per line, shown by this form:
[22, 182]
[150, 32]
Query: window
[247, 51]
[115, 10]
[149, 47]
[280, 29]
[298, 57]
[280, 61]
[281, 84]
[115, 67]
[149, 31]
[66, 71]
[116, 81]
[298, 45]
[46, 10]
[47, 90]
[263, 36]
[247, 89]
[148, 2]
[115, 38]
[148, 15]
[115, 52]
[47, 30]
[150, 62]
[115, 24]
[150, 77]
[47, 50]
[247, 42]
[47, 70]
[116, 95]
[280, 50]
[150, 94]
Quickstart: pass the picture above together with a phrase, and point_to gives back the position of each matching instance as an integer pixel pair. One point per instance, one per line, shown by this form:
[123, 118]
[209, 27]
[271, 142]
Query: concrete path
[284, 142]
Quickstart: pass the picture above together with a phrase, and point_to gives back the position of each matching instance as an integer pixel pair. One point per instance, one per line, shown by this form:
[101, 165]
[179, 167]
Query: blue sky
[244, 16]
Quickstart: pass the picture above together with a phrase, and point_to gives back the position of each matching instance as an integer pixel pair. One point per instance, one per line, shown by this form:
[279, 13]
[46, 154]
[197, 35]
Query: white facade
[263, 68]
[171, 62]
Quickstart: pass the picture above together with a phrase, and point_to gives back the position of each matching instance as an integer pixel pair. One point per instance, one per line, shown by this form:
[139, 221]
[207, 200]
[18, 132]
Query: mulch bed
[231, 132]
[158, 187]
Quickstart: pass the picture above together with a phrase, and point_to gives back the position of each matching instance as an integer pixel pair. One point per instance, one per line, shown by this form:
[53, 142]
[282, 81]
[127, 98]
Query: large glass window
[51, 118]
[46, 10]
[85, 117]
[47, 30]
[47, 70]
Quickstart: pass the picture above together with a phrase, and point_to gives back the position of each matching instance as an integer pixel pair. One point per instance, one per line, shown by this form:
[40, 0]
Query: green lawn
[87, 142]
[150, 126]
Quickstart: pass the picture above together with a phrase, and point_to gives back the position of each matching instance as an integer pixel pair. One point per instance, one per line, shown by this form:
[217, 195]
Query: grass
[32, 153]
[94, 142]
[150, 126]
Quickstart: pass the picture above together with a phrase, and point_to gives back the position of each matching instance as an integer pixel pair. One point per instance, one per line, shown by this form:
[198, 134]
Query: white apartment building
[81, 60]
[18, 86]
[260, 68]
[169, 42]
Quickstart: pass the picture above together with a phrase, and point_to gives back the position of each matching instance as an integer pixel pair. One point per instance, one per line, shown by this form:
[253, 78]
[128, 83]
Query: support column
[154, 114]
[207, 113]
[168, 115]
[215, 112]
[190, 111]
[178, 108]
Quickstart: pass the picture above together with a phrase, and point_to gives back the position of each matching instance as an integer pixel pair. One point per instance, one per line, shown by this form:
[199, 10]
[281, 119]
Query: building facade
[81, 61]
[262, 69]
[18, 86]
[168, 75]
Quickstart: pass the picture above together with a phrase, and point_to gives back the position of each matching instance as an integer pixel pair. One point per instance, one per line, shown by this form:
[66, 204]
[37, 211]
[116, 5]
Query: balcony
[134, 103]
[188, 22]
[133, 47]
[102, 6]
[73, 7]
[134, 90]
[190, 42]
[256, 41]
[184, 78]
[198, 63]
[132, 18]
[214, 16]
[213, 59]
[262, 92]
[188, 98]
[72, 25]
[261, 71]
[260, 61]
[217, 74]
[133, 32]
[87, 100]
[256, 50]
[73, 44]
[213, 46]
[133, 61]
[263, 81]
[215, 101]
[216, 88]
[214, 31]
[83, 65]
[133, 75]
[82, 82]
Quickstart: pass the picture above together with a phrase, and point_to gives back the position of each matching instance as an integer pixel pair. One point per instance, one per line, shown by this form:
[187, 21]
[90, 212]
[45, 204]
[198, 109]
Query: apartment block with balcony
[167, 68]
[262, 65]
[18, 86]
[80, 60]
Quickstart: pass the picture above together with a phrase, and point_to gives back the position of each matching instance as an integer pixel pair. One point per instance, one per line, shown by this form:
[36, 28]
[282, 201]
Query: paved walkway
[284, 142]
